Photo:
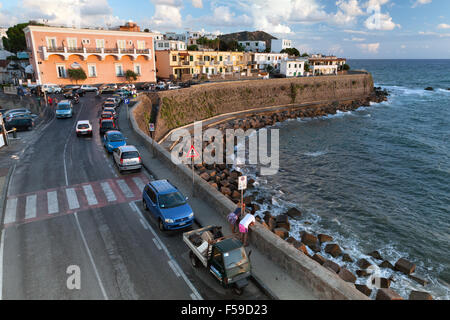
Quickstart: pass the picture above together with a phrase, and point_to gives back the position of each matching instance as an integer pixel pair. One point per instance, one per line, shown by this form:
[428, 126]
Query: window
[72, 42]
[51, 42]
[100, 43]
[220, 58]
[137, 69]
[130, 43]
[166, 44]
[191, 58]
[86, 41]
[160, 44]
[119, 70]
[92, 70]
[121, 44]
[174, 58]
[141, 45]
[61, 70]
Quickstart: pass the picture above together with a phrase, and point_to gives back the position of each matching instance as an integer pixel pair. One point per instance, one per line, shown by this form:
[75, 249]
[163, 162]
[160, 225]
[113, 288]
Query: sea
[376, 178]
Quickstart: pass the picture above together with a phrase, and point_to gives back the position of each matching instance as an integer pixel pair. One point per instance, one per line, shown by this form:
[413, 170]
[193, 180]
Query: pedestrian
[55, 101]
[233, 217]
[244, 224]
[50, 101]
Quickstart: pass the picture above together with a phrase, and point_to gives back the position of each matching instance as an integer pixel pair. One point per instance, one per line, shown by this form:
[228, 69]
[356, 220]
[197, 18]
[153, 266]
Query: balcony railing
[199, 63]
[55, 49]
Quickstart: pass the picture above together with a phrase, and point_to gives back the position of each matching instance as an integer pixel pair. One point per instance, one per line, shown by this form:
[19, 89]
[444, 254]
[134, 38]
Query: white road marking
[105, 296]
[174, 269]
[109, 193]
[157, 243]
[143, 224]
[140, 184]
[52, 201]
[125, 189]
[175, 264]
[10, 212]
[90, 195]
[2, 240]
[193, 297]
[30, 208]
[72, 199]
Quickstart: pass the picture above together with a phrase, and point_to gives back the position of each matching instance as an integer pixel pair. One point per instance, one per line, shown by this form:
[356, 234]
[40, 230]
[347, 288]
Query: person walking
[244, 224]
[233, 217]
[50, 101]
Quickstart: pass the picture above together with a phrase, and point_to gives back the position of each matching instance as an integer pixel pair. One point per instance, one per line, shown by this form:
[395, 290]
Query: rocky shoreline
[224, 179]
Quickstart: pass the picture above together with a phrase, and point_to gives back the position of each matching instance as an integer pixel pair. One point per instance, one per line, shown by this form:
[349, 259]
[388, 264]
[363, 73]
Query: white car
[173, 87]
[88, 88]
[84, 128]
[51, 88]
[127, 87]
[127, 158]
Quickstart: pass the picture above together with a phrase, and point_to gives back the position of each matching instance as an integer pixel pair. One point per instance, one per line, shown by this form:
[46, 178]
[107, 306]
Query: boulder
[294, 213]
[205, 176]
[387, 294]
[324, 238]
[381, 282]
[346, 258]
[236, 194]
[429, 89]
[301, 247]
[234, 174]
[419, 280]
[364, 289]
[363, 263]
[333, 249]
[272, 223]
[213, 174]
[291, 240]
[386, 264]
[213, 184]
[332, 266]
[346, 275]
[265, 225]
[281, 232]
[405, 266]
[267, 216]
[226, 191]
[224, 183]
[363, 273]
[375, 255]
[309, 239]
[283, 222]
[419, 295]
[317, 257]
[248, 200]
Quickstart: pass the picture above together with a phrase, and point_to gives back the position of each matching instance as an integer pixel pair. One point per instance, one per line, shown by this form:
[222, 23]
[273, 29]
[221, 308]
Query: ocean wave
[315, 154]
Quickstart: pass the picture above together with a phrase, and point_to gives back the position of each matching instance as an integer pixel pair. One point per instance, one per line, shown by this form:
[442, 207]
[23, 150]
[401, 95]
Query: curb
[4, 194]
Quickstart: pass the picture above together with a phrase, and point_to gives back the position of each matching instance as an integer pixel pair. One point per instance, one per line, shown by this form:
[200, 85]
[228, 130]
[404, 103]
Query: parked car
[17, 110]
[128, 87]
[168, 205]
[113, 100]
[51, 88]
[113, 139]
[109, 104]
[127, 158]
[173, 87]
[118, 97]
[20, 121]
[106, 115]
[64, 109]
[70, 87]
[88, 88]
[112, 85]
[161, 86]
[84, 127]
[106, 125]
[112, 111]
[71, 94]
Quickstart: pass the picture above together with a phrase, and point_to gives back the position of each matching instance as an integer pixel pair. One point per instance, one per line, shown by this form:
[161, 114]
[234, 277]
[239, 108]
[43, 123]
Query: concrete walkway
[269, 276]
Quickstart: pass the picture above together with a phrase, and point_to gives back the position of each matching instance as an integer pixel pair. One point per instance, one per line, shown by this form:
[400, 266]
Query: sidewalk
[272, 278]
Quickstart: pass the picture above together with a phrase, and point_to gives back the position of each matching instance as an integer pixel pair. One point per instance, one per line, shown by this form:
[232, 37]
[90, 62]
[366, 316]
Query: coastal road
[69, 212]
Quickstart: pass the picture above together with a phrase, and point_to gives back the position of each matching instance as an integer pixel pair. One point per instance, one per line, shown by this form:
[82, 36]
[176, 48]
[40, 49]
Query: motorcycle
[76, 99]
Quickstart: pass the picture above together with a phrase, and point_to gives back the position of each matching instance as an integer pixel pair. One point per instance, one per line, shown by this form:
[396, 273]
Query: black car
[70, 87]
[20, 121]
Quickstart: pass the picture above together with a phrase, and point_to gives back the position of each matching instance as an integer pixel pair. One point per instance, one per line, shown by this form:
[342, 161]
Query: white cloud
[347, 13]
[421, 2]
[369, 47]
[444, 26]
[167, 14]
[381, 21]
[197, 3]
[355, 39]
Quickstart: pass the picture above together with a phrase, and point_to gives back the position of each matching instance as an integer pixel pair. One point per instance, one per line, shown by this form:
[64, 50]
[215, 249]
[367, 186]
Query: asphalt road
[68, 208]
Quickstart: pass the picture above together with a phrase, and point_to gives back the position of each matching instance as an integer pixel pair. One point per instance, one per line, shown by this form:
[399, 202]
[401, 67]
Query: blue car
[113, 139]
[64, 109]
[168, 205]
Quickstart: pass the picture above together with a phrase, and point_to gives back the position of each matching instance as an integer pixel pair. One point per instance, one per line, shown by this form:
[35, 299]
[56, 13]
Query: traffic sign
[151, 127]
[192, 153]
[242, 183]
[127, 101]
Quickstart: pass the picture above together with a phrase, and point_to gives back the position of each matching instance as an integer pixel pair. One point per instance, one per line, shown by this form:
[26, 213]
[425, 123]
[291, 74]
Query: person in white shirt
[244, 224]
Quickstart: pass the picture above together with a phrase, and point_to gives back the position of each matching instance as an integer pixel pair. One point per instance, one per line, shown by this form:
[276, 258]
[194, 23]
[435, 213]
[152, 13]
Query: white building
[253, 46]
[325, 65]
[3, 34]
[170, 45]
[279, 44]
[262, 60]
[293, 67]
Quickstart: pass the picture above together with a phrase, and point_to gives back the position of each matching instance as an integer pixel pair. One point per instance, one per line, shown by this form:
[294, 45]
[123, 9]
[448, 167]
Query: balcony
[100, 52]
[199, 63]
[228, 63]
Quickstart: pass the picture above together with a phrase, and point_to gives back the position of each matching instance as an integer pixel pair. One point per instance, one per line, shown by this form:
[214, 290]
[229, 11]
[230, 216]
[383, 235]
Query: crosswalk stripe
[90, 195]
[30, 208]
[72, 199]
[125, 189]
[139, 183]
[52, 202]
[11, 209]
[109, 193]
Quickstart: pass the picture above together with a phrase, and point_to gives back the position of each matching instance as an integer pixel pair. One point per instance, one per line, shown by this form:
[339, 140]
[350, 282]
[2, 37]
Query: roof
[64, 102]
[83, 122]
[228, 245]
[163, 186]
[128, 148]
[110, 132]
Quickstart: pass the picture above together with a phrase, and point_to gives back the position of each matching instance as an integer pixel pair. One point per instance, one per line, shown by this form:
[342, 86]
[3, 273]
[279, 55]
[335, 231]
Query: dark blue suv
[168, 205]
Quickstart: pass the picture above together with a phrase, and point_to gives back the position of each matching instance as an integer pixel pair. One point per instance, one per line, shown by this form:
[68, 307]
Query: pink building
[104, 55]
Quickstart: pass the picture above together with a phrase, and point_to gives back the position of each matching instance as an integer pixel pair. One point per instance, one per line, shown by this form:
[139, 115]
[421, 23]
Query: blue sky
[349, 28]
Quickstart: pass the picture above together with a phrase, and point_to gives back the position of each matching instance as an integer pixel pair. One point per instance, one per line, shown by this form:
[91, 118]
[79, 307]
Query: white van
[51, 88]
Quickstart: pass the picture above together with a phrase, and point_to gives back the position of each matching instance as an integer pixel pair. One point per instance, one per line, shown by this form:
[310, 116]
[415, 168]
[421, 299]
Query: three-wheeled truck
[224, 257]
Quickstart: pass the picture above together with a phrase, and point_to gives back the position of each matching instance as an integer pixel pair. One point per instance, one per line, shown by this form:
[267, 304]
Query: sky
[370, 29]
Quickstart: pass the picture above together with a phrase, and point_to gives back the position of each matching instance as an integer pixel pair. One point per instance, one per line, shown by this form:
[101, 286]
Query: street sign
[192, 153]
[242, 183]
[151, 127]
[127, 101]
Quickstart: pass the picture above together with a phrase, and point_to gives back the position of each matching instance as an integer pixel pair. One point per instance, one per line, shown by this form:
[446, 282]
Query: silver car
[127, 158]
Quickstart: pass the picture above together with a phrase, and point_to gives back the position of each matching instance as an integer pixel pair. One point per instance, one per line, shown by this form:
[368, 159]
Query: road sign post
[151, 129]
[242, 185]
[192, 153]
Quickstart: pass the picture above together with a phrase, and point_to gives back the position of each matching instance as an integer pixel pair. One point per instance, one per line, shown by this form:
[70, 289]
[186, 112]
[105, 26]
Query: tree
[305, 55]
[346, 67]
[146, 30]
[131, 76]
[291, 52]
[307, 67]
[77, 74]
[193, 47]
[15, 40]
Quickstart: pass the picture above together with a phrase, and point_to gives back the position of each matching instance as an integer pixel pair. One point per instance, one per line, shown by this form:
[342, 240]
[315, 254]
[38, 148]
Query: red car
[106, 115]
[106, 125]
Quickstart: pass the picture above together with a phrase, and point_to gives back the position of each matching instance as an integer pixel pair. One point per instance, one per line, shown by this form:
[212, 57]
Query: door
[116, 155]
[216, 267]
[150, 198]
